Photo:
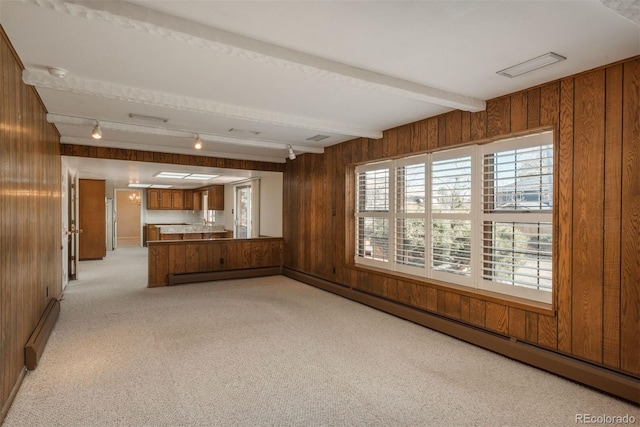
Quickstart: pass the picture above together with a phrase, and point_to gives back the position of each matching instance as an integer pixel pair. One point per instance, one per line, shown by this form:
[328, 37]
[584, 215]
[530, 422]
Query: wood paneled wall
[596, 317]
[210, 255]
[30, 216]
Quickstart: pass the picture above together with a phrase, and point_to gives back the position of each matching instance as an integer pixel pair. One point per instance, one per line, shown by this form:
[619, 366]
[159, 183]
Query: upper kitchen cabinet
[165, 199]
[188, 200]
[177, 199]
[197, 200]
[153, 199]
[216, 198]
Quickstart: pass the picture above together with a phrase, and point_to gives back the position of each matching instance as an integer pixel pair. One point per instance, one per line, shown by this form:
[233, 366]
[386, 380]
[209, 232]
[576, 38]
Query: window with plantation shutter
[479, 216]
[410, 206]
[373, 213]
[451, 214]
[517, 191]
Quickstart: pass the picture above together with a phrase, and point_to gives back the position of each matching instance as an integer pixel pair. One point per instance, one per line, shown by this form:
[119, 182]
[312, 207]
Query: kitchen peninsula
[197, 260]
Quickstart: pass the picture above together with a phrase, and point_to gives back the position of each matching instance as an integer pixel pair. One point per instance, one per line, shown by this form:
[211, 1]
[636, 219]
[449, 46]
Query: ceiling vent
[148, 118]
[318, 138]
[244, 132]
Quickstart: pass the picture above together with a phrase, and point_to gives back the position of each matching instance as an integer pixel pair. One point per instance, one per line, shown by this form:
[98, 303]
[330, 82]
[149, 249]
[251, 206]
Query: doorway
[127, 218]
[243, 212]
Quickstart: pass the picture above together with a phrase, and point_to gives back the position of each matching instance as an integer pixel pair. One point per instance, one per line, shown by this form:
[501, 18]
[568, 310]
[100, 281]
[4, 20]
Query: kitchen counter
[193, 231]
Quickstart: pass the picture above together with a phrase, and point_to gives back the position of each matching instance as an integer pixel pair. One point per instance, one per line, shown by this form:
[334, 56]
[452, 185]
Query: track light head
[292, 155]
[97, 131]
[198, 142]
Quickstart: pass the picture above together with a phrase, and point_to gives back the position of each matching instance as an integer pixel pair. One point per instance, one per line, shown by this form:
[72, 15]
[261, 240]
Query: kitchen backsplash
[178, 217]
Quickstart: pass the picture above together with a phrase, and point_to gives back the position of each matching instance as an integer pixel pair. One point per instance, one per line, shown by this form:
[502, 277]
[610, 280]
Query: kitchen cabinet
[165, 199]
[197, 200]
[92, 219]
[216, 198]
[176, 199]
[152, 232]
[188, 200]
[153, 199]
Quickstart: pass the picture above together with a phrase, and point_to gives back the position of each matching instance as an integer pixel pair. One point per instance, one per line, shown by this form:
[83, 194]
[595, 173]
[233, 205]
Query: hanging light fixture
[97, 131]
[292, 155]
[198, 143]
[135, 198]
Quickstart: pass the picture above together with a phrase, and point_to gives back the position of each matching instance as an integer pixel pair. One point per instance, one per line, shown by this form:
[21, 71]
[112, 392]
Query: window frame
[477, 216]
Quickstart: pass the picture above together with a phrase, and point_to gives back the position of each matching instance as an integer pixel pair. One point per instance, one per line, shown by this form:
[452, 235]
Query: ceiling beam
[138, 18]
[42, 79]
[164, 149]
[179, 133]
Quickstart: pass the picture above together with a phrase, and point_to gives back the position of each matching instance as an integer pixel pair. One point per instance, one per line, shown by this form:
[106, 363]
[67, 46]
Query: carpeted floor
[270, 352]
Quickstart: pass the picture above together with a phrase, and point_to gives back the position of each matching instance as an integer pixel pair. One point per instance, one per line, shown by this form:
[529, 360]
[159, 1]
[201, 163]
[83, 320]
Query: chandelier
[135, 198]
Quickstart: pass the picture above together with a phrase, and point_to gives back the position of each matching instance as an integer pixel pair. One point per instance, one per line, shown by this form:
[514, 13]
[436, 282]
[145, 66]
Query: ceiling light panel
[201, 176]
[532, 64]
[171, 175]
[137, 185]
[160, 186]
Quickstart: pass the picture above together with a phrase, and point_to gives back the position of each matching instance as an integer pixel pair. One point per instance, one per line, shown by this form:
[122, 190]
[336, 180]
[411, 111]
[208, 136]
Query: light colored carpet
[269, 352]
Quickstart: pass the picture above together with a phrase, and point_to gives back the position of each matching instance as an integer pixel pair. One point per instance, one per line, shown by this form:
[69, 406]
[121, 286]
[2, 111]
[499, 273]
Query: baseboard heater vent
[35, 346]
[209, 276]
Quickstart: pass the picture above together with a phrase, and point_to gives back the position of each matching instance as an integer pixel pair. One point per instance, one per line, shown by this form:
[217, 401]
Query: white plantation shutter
[517, 188]
[373, 213]
[410, 233]
[451, 215]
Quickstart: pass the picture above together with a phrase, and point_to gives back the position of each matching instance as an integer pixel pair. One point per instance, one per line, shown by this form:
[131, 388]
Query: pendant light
[292, 155]
[198, 143]
[97, 131]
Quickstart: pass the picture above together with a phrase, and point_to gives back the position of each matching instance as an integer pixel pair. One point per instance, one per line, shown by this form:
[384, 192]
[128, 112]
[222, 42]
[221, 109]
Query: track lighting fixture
[292, 155]
[97, 131]
[198, 144]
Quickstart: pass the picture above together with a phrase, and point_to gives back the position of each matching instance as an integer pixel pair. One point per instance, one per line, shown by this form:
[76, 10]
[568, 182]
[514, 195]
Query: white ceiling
[281, 72]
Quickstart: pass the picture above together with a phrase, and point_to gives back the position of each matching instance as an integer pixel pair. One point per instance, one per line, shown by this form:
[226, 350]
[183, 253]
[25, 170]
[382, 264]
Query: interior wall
[271, 205]
[597, 214]
[30, 212]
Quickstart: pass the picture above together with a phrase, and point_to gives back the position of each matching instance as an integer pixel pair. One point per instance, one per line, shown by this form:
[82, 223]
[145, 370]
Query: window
[479, 216]
[517, 188]
[373, 214]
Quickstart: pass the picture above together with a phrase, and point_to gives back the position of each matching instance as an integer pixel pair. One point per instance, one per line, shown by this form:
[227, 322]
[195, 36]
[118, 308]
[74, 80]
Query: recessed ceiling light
[137, 185]
[171, 175]
[160, 186]
[532, 64]
[201, 176]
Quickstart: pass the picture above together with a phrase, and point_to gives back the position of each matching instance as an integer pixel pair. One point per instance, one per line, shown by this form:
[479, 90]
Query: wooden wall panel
[597, 215]
[30, 226]
[499, 116]
[630, 267]
[588, 196]
[564, 216]
[612, 218]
